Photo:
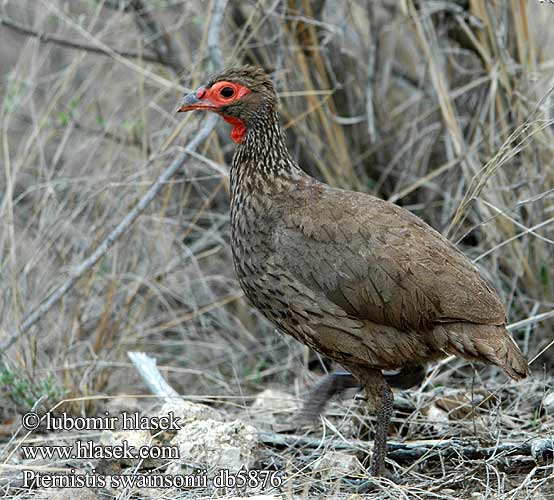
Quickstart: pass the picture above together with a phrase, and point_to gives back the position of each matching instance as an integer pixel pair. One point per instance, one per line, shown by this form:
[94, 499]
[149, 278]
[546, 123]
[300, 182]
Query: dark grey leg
[384, 414]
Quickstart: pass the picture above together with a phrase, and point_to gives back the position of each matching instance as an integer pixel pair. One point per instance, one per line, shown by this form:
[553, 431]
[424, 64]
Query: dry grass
[437, 105]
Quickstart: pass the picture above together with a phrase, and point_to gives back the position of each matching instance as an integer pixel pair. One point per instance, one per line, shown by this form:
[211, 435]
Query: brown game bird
[354, 277]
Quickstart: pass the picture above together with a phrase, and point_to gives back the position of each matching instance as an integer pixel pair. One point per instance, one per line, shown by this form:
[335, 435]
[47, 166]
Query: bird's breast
[251, 228]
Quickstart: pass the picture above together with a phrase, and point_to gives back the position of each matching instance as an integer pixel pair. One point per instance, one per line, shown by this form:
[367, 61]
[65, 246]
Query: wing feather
[379, 262]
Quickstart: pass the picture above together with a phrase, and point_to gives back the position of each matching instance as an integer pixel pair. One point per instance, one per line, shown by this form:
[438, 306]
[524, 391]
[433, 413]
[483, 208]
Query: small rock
[273, 401]
[337, 463]
[273, 409]
[137, 439]
[437, 417]
[226, 445]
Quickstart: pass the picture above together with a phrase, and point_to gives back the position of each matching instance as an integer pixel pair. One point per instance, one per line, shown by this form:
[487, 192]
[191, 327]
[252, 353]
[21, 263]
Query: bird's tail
[488, 344]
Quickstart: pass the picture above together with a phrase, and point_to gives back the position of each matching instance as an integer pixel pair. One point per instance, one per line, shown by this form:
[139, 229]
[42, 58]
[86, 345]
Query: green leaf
[545, 278]
[63, 118]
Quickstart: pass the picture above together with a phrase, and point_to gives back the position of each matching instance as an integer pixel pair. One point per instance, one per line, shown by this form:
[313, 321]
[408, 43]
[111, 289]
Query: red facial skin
[211, 100]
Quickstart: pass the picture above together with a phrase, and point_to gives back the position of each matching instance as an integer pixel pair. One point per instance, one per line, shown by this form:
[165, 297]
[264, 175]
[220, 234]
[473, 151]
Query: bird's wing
[379, 262]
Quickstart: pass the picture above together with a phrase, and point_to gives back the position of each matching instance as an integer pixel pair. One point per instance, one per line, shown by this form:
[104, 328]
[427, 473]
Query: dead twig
[154, 35]
[148, 370]
[216, 18]
[215, 53]
[371, 73]
[539, 449]
[63, 42]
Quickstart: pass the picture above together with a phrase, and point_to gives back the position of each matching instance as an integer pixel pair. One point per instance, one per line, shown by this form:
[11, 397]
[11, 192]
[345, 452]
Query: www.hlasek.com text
[89, 450]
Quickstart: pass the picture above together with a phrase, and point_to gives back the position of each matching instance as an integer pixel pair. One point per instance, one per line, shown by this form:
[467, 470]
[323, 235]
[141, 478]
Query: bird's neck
[262, 163]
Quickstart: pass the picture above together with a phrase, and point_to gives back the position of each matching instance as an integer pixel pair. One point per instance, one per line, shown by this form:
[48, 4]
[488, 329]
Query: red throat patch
[239, 128]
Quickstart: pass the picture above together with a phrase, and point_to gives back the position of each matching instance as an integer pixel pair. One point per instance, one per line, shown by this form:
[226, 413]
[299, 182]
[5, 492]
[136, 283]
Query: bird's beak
[191, 101]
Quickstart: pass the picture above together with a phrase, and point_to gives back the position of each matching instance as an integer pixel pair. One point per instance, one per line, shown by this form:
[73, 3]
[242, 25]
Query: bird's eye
[227, 92]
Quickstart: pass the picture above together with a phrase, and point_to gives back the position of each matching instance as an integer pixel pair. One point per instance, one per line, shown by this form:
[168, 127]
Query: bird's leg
[379, 392]
[333, 384]
[384, 413]
[378, 388]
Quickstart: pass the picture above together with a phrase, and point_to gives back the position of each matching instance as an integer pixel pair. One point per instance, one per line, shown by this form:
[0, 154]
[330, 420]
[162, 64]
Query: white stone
[226, 445]
[275, 401]
[137, 439]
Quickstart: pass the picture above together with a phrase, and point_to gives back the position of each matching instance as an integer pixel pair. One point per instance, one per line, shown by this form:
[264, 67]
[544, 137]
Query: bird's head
[239, 95]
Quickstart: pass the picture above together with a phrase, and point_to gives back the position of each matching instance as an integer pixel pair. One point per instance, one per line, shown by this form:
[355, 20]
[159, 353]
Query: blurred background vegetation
[435, 105]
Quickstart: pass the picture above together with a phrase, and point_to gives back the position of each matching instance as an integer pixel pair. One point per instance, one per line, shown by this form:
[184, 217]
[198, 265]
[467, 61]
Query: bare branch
[54, 297]
[154, 35]
[214, 48]
[148, 370]
[63, 42]
[539, 449]
[371, 70]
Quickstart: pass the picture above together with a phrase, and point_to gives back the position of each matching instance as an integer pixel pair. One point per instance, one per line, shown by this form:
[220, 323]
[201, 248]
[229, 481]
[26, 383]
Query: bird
[356, 278]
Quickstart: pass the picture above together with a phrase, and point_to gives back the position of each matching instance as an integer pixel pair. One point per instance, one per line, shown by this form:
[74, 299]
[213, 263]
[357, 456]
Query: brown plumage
[356, 278]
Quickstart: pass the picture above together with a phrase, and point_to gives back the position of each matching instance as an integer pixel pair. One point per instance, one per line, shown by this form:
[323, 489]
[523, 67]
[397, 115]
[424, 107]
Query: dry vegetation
[440, 106]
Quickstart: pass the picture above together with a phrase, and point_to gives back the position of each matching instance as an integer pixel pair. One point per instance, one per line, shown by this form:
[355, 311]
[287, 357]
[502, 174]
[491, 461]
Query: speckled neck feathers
[262, 164]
